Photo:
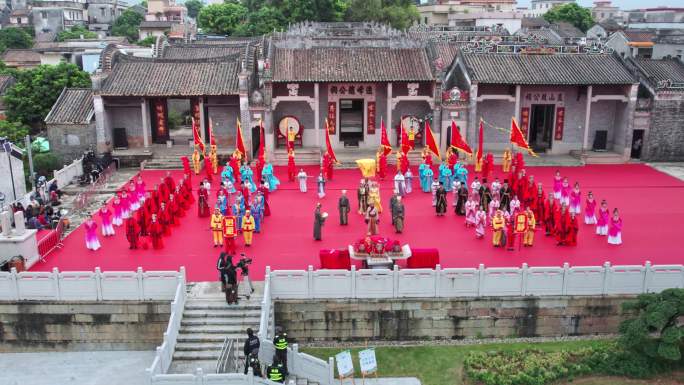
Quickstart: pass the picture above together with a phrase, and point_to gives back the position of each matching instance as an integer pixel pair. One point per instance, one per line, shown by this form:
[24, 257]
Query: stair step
[202, 313]
[183, 366]
[217, 305]
[194, 346]
[217, 329]
[242, 321]
[196, 355]
[206, 337]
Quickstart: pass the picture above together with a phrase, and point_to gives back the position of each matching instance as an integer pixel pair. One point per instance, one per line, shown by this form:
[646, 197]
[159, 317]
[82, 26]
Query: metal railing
[84, 198]
[228, 359]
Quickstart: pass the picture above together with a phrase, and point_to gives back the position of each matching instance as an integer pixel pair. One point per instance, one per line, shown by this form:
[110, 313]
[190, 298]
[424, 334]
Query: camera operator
[228, 275]
[243, 265]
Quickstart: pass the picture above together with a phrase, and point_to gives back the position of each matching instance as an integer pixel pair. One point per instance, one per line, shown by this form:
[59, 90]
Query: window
[43, 14]
[102, 12]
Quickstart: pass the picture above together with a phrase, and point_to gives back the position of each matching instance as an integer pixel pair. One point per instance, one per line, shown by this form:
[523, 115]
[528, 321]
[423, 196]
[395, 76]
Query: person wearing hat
[248, 226]
[344, 207]
[216, 225]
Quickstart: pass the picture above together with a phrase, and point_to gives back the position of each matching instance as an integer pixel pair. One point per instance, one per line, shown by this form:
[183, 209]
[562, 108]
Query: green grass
[437, 365]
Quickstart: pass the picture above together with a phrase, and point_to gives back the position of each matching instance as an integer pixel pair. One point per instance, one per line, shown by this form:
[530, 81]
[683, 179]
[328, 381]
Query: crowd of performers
[145, 215]
[496, 205]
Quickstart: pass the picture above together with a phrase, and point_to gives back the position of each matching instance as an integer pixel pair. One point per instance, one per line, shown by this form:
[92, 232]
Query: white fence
[90, 286]
[66, 174]
[471, 282]
[200, 378]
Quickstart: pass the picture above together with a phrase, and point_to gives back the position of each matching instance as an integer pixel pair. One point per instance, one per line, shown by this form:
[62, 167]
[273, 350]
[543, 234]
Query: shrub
[45, 163]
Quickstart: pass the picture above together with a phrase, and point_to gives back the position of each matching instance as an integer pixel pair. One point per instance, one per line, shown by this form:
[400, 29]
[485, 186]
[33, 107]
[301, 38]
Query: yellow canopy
[367, 167]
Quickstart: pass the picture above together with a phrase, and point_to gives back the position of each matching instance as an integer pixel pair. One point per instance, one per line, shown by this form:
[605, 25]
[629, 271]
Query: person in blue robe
[426, 183]
[267, 175]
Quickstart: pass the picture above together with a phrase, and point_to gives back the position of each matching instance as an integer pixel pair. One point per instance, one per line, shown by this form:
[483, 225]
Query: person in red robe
[132, 232]
[510, 233]
[404, 164]
[156, 232]
[427, 157]
[530, 197]
[452, 158]
[291, 166]
[181, 204]
[382, 164]
[488, 165]
[260, 162]
[561, 223]
[209, 169]
[187, 191]
[202, 202]
[550, 209]
[186, 165]
[573, 228]
[170, 182]
[521, 187]
[164, 218]
[538, 205]
[234, 163]
[519, 162]
[263, 189]
[143, 220]
[164, 192]
[172, 209]
[328, 166]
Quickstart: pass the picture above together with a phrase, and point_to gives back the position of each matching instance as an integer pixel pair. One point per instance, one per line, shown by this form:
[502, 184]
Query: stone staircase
[346, 156]
[207, 321]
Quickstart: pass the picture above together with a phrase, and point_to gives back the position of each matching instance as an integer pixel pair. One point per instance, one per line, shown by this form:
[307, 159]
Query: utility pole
[30, 159]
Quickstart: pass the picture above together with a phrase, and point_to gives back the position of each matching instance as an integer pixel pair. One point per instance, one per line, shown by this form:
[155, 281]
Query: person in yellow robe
[528, 238]
[498, 225]
[374, 197]
[248, 226]
[507, 160]
[216, 224]
[196, 161]
[213, 156]
[478, 164]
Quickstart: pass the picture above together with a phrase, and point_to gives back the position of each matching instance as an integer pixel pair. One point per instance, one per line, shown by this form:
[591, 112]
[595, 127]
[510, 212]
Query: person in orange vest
[229, 233]
[248, 227]
[216, 225]
[196, 161]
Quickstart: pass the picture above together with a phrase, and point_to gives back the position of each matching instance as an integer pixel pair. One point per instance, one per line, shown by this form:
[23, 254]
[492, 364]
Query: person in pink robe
[134, 203]
[603, 218]
[575, 200]
[565, 192]
[140, 189]
[557, 185]
[615, 231]
[125, 205]
[116, 207]
[106, 218]
[590, 210]
[92, 243]
[471, 208]
[481, 222]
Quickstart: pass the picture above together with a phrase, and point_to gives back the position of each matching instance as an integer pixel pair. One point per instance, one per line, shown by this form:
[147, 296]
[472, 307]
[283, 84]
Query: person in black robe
[441, 200]
[506, 194]
[344, 207]
[319, 219]
[398, 215]
[485, 195]
[462, 199]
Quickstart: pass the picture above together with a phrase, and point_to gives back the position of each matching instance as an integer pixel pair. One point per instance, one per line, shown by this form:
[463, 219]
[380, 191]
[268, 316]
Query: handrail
[227, 361]
[266, 304]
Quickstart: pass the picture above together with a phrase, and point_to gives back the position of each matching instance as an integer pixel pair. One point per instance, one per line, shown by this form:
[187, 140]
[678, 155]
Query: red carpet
[649, 203]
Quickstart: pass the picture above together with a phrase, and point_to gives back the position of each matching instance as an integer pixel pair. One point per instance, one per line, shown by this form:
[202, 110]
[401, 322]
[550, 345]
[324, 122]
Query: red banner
[332, 117]
[524, 120]
[162, 124]
[560, 122]
[370, 115]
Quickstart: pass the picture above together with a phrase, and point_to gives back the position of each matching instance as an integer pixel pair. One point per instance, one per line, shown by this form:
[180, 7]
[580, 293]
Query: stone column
[629, 130]
[147, 131]
[317, 115]
[19, 225]
[6, 223]
[587, 117]
[516, 113]
[100, 124]
[471, 131]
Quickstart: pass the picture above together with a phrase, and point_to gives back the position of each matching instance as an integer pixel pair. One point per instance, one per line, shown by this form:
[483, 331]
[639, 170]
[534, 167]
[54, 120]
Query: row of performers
[236, 172]
[145, 213]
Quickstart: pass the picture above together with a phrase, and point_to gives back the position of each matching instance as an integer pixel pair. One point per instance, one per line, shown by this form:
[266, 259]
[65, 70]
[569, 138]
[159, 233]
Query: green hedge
[536, 367]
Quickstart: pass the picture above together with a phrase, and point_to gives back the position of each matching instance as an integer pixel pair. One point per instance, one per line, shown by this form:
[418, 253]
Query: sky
[625, 4]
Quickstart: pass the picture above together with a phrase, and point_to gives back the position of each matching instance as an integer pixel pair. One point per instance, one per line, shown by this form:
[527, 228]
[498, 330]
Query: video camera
[243, 264]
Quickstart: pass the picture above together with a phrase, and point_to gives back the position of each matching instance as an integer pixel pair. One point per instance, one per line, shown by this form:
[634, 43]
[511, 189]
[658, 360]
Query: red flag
[196, 135]
[328, 146]
[518, 139]
[212, 140]
[430, 140]
[480, 142]
[457, 140]
[239, 142]
[262, 140]
[384, 140]
[405, 146]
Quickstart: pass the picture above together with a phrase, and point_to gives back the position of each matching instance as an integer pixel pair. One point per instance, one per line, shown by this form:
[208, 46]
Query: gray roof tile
[74, 106]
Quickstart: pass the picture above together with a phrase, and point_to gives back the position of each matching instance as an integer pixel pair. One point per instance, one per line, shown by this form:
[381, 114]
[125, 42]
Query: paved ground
[674, 169]
[77, 368]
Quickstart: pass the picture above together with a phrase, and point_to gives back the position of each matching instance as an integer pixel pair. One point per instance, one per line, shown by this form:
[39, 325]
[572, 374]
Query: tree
[15, 38]
[13, 131]
[656, 332]
[261, 22]
[571, 13]
[400, 14]
[76, 32]
[128, 25]
[146, 42]
[194, 7]
[30, 99]
[221, 19]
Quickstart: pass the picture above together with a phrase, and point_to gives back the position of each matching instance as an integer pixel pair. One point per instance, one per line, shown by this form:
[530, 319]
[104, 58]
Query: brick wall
[445, 319]
[69, 141]
[665, 138]
[115, 325]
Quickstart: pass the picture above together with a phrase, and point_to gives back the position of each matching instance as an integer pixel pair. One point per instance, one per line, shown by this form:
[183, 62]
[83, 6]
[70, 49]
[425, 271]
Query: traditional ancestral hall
[569, 98]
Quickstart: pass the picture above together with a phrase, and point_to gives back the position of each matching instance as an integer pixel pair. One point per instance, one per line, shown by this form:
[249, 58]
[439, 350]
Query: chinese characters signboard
[560, 121]
[370, 117]
[525, 120]
[332, 117]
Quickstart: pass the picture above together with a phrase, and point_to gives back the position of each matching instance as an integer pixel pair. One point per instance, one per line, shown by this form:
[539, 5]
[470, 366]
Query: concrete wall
[70, 141]
[350, 320]
[224, 113]
[661, 51]
[116, 325]
[6, 182]
[665, 139]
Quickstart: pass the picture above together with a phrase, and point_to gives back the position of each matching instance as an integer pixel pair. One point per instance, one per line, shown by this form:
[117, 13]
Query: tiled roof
[74, 106]
[548, 36]
[567, 30]
[575, 69]
[6, 81]
[23, 56]
[634, 36]
[201, 51]
[445, 51]
[351, 65]
[134, 76]
[533, 22]
[661, 70]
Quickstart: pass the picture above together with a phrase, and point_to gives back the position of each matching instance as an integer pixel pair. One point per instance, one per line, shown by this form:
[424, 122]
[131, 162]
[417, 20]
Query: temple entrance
[541, 126]
[256, 141]
[351, 122]
[159, 113]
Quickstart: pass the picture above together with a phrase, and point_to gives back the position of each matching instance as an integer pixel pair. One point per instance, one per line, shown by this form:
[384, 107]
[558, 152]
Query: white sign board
[345, 366]
[367, 361]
